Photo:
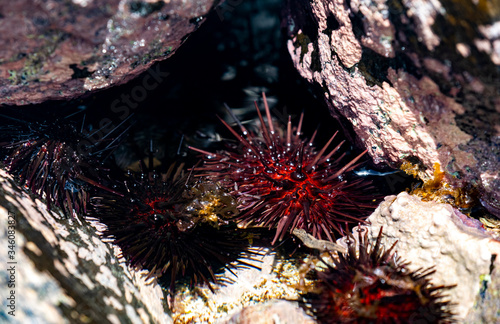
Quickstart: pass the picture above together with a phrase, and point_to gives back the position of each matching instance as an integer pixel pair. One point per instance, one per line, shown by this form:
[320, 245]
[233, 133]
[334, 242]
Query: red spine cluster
[283, 183]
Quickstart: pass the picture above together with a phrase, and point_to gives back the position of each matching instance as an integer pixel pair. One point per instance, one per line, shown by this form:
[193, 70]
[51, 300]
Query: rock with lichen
[419, 81]
[61, 50]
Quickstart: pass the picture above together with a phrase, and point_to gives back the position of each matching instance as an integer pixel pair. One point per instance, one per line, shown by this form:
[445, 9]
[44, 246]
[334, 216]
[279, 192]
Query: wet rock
[418, 80]
[61, 50]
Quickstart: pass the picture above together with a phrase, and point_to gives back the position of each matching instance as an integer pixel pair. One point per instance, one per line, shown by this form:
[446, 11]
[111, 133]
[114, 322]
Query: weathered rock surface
[60, 50]
[430, 234]
[64, 273]
[419, 80]
[272, 312]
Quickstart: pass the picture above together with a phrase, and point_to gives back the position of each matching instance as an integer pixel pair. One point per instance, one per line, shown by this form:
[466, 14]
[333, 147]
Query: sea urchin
[283, 183]
[370, 285]
[56, 161]
[175, 227]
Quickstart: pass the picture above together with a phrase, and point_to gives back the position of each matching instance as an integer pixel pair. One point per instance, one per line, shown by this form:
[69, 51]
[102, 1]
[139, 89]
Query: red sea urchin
[370, 285]
[175, 227]
[283, 183]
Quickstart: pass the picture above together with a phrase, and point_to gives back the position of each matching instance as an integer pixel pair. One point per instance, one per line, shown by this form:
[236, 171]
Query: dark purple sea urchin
[55, 161]
[282, 182]
[370, 285]
[175, 227]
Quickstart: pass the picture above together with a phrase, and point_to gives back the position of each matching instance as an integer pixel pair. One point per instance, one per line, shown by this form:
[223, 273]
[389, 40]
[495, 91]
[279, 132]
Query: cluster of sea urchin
[175, 227]
[56, 162]
[370, 285]
[283, 183]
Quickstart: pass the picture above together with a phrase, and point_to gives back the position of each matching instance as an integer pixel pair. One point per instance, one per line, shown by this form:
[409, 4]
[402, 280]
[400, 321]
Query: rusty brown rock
[417, 80]
[59, 50]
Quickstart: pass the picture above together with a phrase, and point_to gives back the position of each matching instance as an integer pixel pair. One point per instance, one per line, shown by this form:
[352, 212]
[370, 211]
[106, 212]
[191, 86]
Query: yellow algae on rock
[437, 189]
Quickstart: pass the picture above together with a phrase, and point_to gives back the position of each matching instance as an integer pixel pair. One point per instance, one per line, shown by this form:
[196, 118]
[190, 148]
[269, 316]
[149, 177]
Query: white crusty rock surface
[431, 234]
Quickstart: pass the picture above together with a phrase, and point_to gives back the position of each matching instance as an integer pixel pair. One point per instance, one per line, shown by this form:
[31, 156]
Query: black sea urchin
[370, 285]
[55, 160]
[175, 227]
[283, 183]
